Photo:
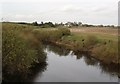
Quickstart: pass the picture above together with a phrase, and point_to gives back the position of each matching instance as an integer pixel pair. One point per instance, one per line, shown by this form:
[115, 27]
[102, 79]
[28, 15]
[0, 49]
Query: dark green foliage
[61, 51]
[47, 25]
[35, 23]
[87, 25]
[19, 53]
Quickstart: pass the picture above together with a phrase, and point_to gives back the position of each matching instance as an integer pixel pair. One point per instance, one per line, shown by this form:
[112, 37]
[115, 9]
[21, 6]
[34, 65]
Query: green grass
[103, 46]
[100, 37]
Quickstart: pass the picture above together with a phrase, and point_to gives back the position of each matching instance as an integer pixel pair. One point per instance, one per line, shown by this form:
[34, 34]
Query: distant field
[102, 30]
[112, 31]
[101, 33]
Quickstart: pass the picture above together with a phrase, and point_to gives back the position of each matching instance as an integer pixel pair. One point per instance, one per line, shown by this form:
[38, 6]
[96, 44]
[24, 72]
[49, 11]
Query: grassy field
[105, 30]
[101, 37]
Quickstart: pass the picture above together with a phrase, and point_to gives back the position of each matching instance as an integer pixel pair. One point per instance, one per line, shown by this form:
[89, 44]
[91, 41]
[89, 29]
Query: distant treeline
[67, 24]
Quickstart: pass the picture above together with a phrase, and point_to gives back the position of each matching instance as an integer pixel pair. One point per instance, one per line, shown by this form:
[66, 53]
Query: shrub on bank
[18, 54]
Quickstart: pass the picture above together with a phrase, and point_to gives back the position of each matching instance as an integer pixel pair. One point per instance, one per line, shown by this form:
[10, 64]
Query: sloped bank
[100, 52]
[19, 53]
[105, 51]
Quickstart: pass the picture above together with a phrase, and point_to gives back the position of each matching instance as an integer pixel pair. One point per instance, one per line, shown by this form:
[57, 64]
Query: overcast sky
[86, 11]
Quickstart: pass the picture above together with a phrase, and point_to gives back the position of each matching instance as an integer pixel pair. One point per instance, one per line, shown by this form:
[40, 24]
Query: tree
[35, 23]
[75, 24]
[42, 23]
[47, 24]
[79, 23]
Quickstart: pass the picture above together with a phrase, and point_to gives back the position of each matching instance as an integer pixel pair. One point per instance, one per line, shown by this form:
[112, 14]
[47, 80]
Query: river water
[65, 66]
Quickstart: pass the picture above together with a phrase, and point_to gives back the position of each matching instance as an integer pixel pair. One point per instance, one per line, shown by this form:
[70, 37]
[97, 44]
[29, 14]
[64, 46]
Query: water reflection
[25, 77]
[54, 69]
[10, 72]
[111, 69]
[90, 61]
[38, 68]
[59, 50]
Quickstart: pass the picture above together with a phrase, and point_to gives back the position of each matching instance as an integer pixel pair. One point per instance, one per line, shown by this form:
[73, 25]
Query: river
[63, 65]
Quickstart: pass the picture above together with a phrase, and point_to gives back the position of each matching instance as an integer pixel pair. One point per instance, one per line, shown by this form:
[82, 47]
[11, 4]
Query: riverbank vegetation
[22, 45]
[18, 54]
[101, 46]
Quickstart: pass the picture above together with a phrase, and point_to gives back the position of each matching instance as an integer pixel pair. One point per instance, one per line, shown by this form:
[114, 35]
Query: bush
[18, 53]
